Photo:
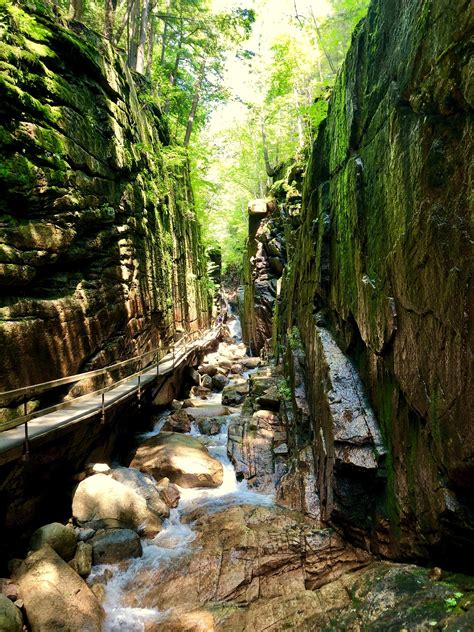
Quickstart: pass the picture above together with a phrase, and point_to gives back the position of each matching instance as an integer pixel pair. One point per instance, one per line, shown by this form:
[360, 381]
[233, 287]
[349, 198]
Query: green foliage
[284, 388]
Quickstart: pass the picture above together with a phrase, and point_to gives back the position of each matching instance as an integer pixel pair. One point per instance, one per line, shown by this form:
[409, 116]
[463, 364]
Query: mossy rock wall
[100, 251]
[383, 258]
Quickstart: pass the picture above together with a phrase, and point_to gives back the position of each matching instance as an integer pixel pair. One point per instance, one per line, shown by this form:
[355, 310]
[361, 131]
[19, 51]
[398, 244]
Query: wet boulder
[10, 617]
[178, 421]
[251, 363]
[208, 369]
[206, 381]
[101, 501]
[144, 485]
[54, 596]
[59, 537]
[114, 545]
[234, 394]
[200, 391]
[219, 382]
[211, 425]
[82, 561]
[181, 458]
[199, 412]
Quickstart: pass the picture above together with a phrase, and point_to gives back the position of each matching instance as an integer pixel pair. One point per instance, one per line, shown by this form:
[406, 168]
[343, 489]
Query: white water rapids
[176, 539]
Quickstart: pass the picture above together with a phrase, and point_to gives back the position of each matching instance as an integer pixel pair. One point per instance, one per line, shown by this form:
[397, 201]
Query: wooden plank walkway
[90, 406]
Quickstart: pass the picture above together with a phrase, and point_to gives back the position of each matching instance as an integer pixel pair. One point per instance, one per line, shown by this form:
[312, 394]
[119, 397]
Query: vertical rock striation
[100, 252]
[382, 260]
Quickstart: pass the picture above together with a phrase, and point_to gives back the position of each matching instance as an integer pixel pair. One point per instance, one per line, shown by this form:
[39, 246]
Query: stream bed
[177, 537]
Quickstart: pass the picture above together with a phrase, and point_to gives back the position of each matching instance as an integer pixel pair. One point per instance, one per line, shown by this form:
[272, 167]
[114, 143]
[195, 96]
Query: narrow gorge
[199, 435]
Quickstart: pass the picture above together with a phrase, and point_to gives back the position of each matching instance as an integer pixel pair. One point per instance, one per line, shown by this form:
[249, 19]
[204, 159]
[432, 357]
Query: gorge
[306, 462]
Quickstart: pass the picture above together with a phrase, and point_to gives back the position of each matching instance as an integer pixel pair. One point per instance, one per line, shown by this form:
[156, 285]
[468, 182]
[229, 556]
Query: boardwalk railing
[146, 361]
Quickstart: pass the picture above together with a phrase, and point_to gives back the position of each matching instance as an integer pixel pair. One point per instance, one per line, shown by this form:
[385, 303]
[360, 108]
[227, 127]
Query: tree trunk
[76, 9]
[271, 171]
[125, 21]
[110, 6]
[194, 105]
[140, 64]
[151, 43]
[133, 33]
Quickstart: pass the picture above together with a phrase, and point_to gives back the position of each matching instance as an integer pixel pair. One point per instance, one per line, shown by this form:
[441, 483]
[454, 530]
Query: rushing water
[176, 539]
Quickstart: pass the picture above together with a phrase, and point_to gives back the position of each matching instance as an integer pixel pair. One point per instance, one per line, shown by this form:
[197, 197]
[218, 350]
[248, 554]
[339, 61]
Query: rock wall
[381, 262]
[266, 256]
[100, 253]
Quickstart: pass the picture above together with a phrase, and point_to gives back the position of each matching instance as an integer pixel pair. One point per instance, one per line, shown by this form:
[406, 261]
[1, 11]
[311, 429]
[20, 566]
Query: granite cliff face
[100, 251]
[380, 272]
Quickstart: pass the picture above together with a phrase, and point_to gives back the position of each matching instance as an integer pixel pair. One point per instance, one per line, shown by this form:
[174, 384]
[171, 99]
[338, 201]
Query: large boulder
[62, 539]
[144, 485]
[55, 597]
[101, 501]
[10, 617]
[114, 545]
[198, 412]
[181, 458]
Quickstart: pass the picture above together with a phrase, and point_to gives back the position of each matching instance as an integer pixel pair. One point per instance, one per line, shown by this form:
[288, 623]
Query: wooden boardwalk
[96, 403]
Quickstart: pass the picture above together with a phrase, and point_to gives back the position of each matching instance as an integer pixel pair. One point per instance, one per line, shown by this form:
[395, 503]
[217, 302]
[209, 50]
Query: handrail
[24, 419]
[36, 389]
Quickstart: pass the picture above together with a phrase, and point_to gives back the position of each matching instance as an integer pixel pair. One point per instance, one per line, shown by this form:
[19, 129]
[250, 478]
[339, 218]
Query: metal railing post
[139, 394]
[102, 415]
[26, 448]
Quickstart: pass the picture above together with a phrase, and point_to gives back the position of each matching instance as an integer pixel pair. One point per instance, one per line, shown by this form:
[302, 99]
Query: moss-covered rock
[100, 251]
[382, 259]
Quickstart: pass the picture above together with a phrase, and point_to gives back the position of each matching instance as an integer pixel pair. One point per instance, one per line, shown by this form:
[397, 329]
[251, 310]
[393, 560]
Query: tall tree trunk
[271, 171]
[76, 9]
[110, 6]
[133, 35]
[140, 65]
[195, 102]
[125, 21]
[151, 42]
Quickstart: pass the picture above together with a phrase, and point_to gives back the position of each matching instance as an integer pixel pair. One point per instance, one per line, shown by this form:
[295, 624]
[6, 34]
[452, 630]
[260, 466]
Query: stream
[177, 537]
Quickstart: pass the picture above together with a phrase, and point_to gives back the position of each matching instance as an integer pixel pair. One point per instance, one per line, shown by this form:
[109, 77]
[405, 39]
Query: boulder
[270, 399]
[10, 617]
[234, 394]
[200, 391]
[171, 495]
[62, 539]
[181, 458]
[55, 597]
[82, 561]
[9, 589]
[210, 425]
[219, 382]
[101, 500]
[208, 369]
[114, 545]
[179, 421]
[206, 381]
[251, 363]
[144, 485]
[176, 405]
[199, 412]
[236, 369]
